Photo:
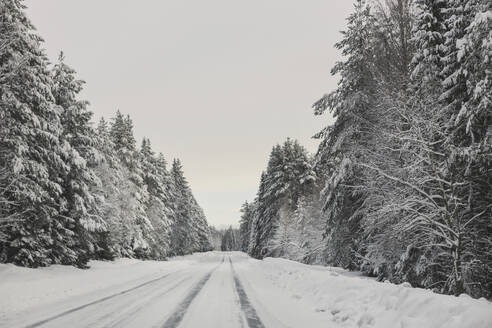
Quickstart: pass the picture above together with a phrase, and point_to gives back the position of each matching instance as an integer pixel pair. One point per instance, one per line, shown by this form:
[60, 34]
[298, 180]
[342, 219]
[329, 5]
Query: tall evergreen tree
[125, 146]
[32, 152]
[288, 176]
[156, 179]
[345, 142]
[181, 237]
[81, 205]
[247, 214]
[428, 37]
[467, 109]
[115, 194]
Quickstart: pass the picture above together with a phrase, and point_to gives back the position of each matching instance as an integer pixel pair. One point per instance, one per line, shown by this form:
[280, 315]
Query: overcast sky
[215, 83]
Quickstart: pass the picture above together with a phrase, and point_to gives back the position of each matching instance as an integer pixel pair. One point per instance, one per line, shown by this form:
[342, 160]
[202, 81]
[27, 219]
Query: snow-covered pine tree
[254, 227]
[289, 175]
[267, 207]
[125, 147]
[182, 229]
[467, 102]
[157, 180]
[392, 42]
[31, 149]
[247, 214]
[190, 230]
[349, 137]
[81, 205]
[428, 39]
[122, 136]
[162, 229]
[116, 198]
[201, 228]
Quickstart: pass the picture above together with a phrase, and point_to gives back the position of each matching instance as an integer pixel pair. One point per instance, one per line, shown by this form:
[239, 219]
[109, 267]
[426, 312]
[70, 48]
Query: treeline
[70, 192]
[401, 185]
[230, 240]
[225, 239]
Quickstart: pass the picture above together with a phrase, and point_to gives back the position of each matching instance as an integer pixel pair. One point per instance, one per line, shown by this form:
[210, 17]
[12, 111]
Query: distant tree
[190, 231]
[215, 238]
[230, 240]
[245, 224]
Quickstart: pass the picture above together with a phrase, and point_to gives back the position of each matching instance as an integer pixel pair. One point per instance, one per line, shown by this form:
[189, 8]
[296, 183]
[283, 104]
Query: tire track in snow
[248, 310]
[101, 300]
[175, 319]
[119, 322]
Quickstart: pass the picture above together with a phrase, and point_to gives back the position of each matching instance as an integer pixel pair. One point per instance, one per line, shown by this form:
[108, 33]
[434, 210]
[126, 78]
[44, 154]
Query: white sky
[215, 83]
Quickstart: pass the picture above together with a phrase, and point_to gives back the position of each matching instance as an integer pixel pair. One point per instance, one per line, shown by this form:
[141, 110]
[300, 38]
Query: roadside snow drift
[344, 299]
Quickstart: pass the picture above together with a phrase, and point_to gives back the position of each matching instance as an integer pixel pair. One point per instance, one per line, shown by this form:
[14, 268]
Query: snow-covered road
[222, 290]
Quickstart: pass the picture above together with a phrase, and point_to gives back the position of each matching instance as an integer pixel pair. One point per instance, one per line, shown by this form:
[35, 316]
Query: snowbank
[346, 300]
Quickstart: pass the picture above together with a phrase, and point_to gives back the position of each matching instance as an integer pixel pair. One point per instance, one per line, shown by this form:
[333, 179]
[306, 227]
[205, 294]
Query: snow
[345, 299]
[203, 290]
[24, 288]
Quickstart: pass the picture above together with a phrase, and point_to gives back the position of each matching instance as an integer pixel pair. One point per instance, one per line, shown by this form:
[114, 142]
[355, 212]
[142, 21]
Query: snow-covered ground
[222, 290]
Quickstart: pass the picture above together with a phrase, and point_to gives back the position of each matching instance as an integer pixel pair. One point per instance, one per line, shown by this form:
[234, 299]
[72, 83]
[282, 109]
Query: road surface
[210, 293]
[222, 289]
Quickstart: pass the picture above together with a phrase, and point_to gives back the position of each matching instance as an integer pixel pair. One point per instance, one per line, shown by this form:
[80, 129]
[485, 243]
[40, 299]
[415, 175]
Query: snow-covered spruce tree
[467, 101]
[201, 231]
[247, 214]
[289, 175]
[253, 233]
[184, 234]
[125, 146]
[123, 139]
[428, 38]
[386, 139]
[116, 198]
[81, 205]
[158, 210]
[437, 224]
[392, 41]
[344, 143]
[32, 150]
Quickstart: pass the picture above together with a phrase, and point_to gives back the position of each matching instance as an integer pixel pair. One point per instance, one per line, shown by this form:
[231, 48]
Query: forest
[71, 190]
[401, 185]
